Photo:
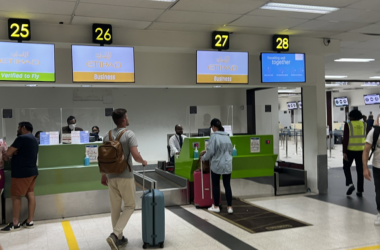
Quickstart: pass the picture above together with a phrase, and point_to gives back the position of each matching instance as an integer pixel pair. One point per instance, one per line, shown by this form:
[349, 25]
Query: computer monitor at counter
[204, 132]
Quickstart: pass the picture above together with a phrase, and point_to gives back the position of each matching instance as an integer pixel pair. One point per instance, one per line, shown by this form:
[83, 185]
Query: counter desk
[253, 170]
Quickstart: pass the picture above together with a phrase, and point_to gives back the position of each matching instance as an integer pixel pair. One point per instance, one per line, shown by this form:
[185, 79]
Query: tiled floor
[333, 227]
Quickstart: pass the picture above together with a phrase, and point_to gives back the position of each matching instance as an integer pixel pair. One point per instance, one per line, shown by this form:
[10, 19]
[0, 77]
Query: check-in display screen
[277, 67]
[27, 62]
[341, 101]
[300, 104]
[292, 105]
[103, 64]
[372, 99]
[222, 67]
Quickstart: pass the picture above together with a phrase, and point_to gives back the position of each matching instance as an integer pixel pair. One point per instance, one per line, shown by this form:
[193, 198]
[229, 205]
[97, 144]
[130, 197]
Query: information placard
[277, 67]
[255, 145]
[27, 62]
[103, 64]
[222, 67]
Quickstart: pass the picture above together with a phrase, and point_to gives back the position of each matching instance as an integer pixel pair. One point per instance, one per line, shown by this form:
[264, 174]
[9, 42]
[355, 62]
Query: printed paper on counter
[92, 152]
[255, 145]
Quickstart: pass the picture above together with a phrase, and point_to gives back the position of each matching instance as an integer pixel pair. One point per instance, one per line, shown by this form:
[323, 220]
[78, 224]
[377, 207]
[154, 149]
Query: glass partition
[199, 123]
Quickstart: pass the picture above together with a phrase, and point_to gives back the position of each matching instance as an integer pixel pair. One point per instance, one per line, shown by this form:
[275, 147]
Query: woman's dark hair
[28, 126]
[355, 115]
[217, 123]
[37, 133]
[118, 115]
[96, 128]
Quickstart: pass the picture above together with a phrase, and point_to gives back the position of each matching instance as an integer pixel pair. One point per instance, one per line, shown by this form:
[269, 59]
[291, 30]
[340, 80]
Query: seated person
[176, 141]
[37, 135]
[71, 126]
[96, 130]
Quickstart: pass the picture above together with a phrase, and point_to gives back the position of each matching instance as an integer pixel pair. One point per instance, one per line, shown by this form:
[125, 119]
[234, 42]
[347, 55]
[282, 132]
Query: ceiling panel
[307, 33]
[35, 17]
[372, 29]
[327, 3]
[350, 36]
[129, 24]
[38, 6]
[267, 22]
[353, 15]
[117, 12]
[182, 27]
[329, 26]
[219, 6]
[133, 3]
[372, 44]
[248, 30]
[366, 5]
[174, 16]
[290, 14]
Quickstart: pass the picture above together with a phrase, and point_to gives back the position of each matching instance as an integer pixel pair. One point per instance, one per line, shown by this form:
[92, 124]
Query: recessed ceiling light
[170, 1]
[217, 86]
[299, 8]
[335, 76]
[31, 85]
[375, 77]
[86, 86]
[353, 60]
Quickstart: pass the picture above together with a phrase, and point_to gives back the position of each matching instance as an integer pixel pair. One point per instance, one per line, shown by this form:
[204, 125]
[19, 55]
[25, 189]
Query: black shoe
[113, 242]
[10, 228]
[27, 225]
[350, 190]
[359, 194]
[122, 242]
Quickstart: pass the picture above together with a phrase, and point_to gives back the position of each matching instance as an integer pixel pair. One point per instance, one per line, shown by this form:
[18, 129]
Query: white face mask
[72, 126]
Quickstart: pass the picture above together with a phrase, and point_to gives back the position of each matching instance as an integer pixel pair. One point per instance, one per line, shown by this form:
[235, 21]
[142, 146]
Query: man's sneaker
[359, 194]
[27, 225]
[10, 228]
[214, 209]
[350, 189]
[377, 221]
[113, 241]
[230, 210]
[123, 242]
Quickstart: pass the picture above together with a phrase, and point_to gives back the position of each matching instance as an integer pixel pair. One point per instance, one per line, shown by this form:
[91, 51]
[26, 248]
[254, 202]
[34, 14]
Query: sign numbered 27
[102, 33]
[19, 29]
[220, 40]
[281, 43]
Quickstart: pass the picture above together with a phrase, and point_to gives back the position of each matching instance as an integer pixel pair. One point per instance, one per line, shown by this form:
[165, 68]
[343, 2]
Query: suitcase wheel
[197, 207]
[162, 245]
[145, 246]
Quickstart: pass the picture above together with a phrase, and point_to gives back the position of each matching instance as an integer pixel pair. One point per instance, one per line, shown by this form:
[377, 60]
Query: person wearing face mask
[176, 141]
[71, 126]
[95, 132]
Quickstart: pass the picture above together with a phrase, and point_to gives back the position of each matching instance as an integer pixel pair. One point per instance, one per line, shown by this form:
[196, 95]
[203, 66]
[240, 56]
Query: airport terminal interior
[281, 76]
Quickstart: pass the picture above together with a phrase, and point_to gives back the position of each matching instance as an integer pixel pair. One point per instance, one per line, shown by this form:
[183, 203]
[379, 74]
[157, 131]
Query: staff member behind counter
[176, 141]
[71, 126]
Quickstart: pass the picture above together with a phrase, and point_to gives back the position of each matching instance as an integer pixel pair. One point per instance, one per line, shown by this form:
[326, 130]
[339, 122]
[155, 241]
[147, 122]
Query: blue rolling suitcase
[153, 217]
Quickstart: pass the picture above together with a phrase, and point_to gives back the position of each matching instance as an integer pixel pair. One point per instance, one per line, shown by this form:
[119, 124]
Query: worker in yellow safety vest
[354, 137]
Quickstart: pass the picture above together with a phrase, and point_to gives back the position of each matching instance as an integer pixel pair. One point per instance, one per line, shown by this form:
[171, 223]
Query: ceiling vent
[371, 34]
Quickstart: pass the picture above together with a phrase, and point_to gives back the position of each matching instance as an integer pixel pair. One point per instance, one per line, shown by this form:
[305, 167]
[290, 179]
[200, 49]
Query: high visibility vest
[358, 131]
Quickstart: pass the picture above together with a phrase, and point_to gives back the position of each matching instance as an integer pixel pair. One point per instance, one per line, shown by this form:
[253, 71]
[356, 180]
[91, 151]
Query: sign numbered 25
[19, 29]
[102, 33]
[281, 43]
[220, 40]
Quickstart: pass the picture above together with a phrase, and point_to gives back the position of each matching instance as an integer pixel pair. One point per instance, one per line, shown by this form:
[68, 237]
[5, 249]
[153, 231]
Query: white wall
[153, 113]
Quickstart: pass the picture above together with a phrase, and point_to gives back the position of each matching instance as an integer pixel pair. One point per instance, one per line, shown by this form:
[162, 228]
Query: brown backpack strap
[110, 138]
[121, 134]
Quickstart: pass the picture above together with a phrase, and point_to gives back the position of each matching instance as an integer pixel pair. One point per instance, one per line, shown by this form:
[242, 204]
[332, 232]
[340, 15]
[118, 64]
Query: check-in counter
[253, 173]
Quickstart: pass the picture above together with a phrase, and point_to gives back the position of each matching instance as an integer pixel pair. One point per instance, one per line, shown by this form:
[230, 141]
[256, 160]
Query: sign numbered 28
[281, 43]
[102, 33]
[220, 40]
[19, 29]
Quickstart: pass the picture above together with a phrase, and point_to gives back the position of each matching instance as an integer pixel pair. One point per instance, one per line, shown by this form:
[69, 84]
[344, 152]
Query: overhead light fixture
[353, 60]
[169, 1]
[335, 77]
[375, 77]
[31, 85]
[371, 84]
[299, 8]
[218, 86]
[86, 86]
[285, 90]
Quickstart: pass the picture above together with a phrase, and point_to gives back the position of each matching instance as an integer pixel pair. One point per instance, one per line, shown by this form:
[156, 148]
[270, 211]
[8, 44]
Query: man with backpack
[115, 163]
[372, 143]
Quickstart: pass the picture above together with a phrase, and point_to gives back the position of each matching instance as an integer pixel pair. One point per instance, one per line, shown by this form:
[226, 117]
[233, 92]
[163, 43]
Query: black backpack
[376, 134]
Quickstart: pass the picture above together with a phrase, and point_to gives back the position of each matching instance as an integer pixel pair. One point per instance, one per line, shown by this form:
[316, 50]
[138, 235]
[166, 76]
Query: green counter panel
[245, 165]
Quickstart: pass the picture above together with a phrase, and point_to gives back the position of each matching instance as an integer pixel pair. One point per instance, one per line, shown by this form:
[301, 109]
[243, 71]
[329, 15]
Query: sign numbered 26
[102, 33]
[19, 29]
[281, 43]
[220, 40]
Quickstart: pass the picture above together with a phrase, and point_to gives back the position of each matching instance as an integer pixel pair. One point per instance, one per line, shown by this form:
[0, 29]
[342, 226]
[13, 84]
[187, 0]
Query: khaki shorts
[22, 186]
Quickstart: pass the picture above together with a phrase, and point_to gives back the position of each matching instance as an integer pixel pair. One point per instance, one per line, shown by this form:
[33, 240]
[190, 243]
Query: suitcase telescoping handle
[203, 196]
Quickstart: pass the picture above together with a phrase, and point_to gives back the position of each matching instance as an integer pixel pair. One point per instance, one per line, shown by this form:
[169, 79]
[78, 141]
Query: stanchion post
[296, 136]
[286, 145]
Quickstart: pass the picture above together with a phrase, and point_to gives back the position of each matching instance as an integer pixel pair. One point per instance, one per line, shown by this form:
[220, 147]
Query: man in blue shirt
[23, 153]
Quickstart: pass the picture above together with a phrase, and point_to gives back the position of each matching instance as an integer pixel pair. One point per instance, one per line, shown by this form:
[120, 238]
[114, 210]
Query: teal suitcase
[153, 218]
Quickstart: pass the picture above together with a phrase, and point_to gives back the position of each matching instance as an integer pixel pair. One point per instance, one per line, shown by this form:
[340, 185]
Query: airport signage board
[19, 29]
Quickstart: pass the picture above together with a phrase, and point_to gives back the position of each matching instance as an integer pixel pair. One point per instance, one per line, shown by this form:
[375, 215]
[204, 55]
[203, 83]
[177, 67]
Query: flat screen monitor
[276, 67]
[204, 132]
[292, 105]
[29, 62]
[217, 67]
[103, 64]
[300, 104]
[341, 101]
[372, 99]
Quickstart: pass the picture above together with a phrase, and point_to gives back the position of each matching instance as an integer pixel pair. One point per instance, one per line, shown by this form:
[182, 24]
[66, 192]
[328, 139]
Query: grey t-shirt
[127, 140]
